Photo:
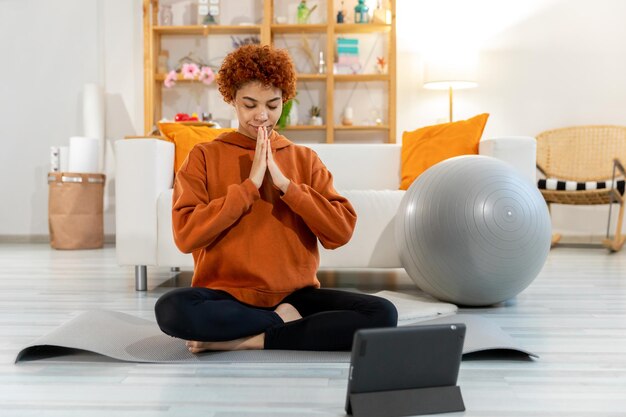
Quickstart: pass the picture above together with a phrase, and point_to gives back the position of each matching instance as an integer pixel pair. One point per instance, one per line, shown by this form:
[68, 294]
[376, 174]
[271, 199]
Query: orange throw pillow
[427, 146]
[185, 137]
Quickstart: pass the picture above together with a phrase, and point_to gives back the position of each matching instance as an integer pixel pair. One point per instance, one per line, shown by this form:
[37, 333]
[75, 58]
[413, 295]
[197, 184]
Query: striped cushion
[556, 184]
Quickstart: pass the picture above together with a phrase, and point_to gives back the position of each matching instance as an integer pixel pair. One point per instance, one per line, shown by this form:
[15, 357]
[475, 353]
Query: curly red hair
[265, 64]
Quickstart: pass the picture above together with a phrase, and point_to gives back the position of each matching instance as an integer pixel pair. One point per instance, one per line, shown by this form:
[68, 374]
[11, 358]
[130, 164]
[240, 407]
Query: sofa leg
[141, 277]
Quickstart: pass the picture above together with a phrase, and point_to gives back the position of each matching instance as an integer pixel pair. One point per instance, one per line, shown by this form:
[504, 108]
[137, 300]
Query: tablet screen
[406, 357]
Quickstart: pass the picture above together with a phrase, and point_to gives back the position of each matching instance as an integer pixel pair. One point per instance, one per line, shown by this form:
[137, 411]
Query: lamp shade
[450, 71]
[445, 75]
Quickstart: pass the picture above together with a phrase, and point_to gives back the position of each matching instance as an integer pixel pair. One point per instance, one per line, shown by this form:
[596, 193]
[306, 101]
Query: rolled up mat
[94, 119]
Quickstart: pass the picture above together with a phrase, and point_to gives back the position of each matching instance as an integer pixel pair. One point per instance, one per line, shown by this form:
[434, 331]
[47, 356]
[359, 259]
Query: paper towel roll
[93, 118]
[64, 158]
[84, 155]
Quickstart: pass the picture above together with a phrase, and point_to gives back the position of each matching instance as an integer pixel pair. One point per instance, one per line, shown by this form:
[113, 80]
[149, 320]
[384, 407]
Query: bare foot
[287, 312]
[245, 343]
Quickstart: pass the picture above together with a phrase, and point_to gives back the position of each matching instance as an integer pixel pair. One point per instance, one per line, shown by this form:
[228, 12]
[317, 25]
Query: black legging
[329, 318]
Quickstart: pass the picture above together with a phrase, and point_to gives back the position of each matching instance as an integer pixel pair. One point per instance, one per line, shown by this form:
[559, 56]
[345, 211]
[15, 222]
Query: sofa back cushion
[427, 146]
[186, 136]
[361, 166]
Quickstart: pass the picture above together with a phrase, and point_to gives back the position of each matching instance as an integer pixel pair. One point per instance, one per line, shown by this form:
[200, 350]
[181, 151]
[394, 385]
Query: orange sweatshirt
[257, 244]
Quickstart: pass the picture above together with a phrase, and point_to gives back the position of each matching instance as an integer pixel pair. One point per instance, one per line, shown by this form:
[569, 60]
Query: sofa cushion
[186, 136]
[427, 146]
[367, 166]
[373, 244]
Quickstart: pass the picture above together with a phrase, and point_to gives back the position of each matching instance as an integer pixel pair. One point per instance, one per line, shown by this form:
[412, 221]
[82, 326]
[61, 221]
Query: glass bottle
[361, 12]
[303, 13]
[321, 67]
[341, 14]
[166, 15]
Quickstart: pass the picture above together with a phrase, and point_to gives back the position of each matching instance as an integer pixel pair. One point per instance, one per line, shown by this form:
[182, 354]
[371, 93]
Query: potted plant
[289, 115]
[314, 113]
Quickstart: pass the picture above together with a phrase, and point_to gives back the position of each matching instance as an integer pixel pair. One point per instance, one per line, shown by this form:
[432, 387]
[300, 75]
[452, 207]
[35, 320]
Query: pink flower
[190, 71]
[206, 75]
[170, 80]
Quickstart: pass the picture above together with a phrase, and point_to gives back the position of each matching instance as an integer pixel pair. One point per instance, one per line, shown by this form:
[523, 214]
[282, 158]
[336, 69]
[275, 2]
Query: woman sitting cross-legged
[251, 206]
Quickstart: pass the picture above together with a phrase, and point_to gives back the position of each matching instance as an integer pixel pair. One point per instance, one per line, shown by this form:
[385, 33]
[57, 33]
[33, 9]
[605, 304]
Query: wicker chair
[585, 154]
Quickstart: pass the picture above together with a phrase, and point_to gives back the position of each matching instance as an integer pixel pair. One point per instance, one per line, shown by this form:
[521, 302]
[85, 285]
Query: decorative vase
[348, 114]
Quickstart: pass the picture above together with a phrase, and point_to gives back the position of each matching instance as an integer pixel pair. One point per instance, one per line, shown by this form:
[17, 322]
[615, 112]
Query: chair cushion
[427, 146]
[564, 185]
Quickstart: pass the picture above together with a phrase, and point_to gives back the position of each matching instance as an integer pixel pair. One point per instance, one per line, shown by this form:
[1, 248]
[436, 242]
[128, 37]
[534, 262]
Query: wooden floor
[573, 316]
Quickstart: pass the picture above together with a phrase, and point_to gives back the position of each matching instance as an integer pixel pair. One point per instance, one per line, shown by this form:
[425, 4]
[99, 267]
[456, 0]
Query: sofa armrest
[144, 169]
[518, 151]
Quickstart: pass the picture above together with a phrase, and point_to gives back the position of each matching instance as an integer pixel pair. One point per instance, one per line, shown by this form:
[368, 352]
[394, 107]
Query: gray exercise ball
[473, 230]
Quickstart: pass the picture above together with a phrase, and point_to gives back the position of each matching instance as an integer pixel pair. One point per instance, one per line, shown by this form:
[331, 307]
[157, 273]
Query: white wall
[48, 51]
[543, 64]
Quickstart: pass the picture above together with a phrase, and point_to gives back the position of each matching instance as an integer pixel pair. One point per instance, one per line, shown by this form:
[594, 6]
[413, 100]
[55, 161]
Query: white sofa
[367, 174]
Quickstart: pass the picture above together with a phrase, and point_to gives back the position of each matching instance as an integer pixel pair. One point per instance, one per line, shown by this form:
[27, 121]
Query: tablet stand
[406, 402]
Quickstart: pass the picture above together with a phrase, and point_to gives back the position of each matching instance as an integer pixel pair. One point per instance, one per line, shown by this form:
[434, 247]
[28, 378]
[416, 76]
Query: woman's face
[257, 105]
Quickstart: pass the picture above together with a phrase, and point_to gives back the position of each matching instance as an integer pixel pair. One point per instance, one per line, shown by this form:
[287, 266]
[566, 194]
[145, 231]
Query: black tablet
[406, 370]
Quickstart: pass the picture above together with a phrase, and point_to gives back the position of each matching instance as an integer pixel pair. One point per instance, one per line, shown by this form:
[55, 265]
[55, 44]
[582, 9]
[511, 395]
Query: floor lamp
[444, 77]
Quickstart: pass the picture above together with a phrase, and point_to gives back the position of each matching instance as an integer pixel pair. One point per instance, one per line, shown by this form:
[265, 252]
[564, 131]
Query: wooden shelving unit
[266, 30]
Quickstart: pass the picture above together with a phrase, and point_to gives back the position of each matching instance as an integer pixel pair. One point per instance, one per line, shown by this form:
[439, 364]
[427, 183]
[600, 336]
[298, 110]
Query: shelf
[206, 30]
[339, 28]
[311, 77]
[361, 27]
[179, 78]
[361, 77]
[304, 127]
[354, 127]
[301, 77]
[309, 28]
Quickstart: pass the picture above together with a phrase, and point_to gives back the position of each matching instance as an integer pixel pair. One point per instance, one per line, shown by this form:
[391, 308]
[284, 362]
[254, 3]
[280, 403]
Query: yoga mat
[481, 334]
[413, 308]
[128, 338]
[132, 339]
